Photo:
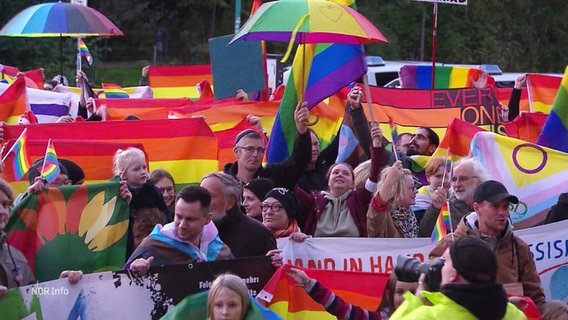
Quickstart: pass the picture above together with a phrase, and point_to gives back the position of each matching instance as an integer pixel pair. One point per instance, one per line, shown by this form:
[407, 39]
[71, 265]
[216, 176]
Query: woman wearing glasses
[279, 211]
[164, 181]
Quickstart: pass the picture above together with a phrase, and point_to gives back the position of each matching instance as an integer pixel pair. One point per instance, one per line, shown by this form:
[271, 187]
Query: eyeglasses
[251, 150]
[275, 207]
[462, 178]
[59, 183]
[167, 189]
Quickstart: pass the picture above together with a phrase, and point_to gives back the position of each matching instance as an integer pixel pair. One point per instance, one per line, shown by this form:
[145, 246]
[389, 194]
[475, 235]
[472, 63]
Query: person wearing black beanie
[253, 194]
[279, 212]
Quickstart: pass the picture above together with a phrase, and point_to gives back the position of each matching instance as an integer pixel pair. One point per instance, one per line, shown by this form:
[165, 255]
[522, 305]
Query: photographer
[467, 289]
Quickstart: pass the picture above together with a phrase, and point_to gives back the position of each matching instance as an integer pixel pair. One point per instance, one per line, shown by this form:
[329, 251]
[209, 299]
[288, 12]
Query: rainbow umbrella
[60, 19]
[309, 21]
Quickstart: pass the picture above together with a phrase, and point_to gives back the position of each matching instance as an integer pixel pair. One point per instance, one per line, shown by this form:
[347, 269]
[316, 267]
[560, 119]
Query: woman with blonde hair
[389, 214]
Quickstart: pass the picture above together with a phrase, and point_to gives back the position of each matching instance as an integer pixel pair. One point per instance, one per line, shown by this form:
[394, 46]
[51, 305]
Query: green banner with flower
[71, 227]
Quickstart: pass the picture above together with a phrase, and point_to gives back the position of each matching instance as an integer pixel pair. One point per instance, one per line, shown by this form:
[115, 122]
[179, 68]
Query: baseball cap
[493, 191]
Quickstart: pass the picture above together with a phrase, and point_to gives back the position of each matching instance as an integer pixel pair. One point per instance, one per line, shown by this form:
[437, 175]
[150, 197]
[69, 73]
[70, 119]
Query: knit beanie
[287, 199]
[75, 172]
[260, 187]
[473, 259]
[34, 171]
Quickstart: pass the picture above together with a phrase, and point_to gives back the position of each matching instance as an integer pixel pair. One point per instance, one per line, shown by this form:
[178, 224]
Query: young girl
[228, 298]
[130, 165]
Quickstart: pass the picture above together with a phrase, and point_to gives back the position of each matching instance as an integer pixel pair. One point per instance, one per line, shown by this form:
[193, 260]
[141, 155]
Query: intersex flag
[442, 224]
[542, 90]
[187, 148]
[84, 51]
[555, 130]
[21, 162]
[13, 101]
[178, 81]
[50, 167]
[535, 174]
[362, 289]
[71, 228]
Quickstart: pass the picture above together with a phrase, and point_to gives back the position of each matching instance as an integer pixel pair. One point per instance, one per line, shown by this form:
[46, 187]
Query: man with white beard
[467, 175]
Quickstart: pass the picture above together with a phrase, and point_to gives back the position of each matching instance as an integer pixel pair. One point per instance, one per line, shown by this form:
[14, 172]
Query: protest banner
[123, 295]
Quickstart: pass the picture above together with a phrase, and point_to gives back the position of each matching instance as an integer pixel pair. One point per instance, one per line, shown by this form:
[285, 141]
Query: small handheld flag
[393, 137]
[50, 168]
[21, 163]
[85, 51]
[442, 224]
[114, 91]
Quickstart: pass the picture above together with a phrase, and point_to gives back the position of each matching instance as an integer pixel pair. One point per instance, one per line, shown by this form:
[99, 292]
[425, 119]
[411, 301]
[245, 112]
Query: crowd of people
[241, 211]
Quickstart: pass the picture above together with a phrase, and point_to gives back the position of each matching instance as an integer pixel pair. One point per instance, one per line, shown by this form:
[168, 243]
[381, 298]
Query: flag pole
[368, 95]
[45, 156]
[13, 145]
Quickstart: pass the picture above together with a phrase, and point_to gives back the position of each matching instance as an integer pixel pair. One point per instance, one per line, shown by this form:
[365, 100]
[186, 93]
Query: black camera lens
[409, 269]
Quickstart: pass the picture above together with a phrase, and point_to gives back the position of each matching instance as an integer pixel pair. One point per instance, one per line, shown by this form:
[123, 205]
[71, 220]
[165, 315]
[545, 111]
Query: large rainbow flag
[420, 77]
[542, 90]
[89, 221]
[555, 131]
[178, 81]
[94, 157]
[526, 126]
[187, 148]
[535, 174]
[363, 289]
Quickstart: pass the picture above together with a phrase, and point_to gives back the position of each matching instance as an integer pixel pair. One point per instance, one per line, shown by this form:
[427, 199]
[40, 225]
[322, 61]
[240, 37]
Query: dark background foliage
[518, 35]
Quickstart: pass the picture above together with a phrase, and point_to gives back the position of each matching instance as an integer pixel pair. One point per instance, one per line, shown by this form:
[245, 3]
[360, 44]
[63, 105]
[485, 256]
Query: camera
[408, 269]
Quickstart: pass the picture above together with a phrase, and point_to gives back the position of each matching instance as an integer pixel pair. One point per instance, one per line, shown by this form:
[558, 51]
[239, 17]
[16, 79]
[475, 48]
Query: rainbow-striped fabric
[112, 90]
[21, 163]
[555, 131]
[420, 77]
[442, 224]
[85, 51]
[50, 167]
[542, 90]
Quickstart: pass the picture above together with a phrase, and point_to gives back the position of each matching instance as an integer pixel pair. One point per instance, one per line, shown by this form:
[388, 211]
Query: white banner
[548, 245]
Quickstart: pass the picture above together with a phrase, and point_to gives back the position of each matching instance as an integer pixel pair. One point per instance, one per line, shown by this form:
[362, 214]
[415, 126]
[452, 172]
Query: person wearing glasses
[38, 183]
[468, 174]
[164, 181]
[250, 148]
[279, 211]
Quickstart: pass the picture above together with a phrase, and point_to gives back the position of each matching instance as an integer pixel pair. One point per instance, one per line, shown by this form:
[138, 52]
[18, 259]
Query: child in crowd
[130, 165]
[228, 298]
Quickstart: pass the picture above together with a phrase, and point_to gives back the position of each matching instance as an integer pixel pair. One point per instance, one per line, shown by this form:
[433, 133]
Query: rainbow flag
[394, 134]
[420, 77]
[21, 163]
[363, 289]
[503, 94]
[442, 224]
[112, 90]
[327, 69]
[13, 102]
[178, 81]
[555, 131]
[85, 51]
[187, 148]
[527, 126]
[457, 138]
[50, 168]
[542, 90]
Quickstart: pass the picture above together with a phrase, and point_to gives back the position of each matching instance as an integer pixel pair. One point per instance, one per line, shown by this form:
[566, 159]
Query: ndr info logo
[49, 291]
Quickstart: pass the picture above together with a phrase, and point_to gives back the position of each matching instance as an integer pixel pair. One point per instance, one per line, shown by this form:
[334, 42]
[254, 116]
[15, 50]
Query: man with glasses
[468, 174]
[250, 148]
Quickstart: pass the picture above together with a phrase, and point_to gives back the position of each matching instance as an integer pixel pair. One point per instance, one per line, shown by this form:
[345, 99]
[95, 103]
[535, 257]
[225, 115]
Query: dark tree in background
[519, 35]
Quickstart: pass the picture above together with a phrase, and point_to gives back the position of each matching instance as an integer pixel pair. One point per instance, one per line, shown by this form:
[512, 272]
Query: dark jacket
[314, 203]
[315, 179]
[286, 173]
[245, 236]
